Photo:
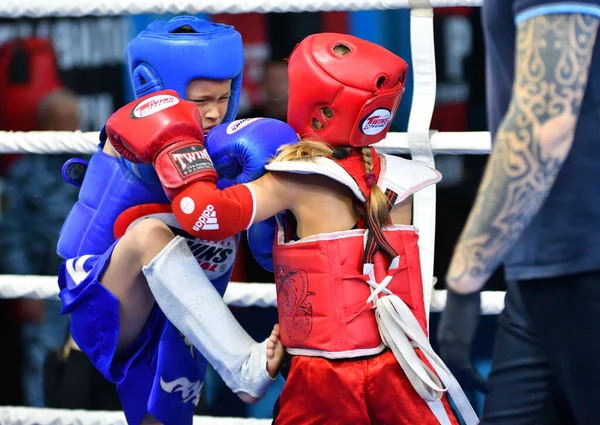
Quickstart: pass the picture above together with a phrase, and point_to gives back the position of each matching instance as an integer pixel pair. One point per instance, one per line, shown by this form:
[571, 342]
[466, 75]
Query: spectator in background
[276, 88]
[38, 202]
[59, 111]
[28, 72]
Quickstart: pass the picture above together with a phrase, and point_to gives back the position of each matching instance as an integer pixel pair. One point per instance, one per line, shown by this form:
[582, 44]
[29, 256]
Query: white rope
[52, 142]
[238, 294]
[48, 142]
[40, 8]
[37, 416]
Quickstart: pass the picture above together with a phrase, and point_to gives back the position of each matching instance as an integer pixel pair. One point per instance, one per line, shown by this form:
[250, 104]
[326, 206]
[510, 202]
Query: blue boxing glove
[261, 236]
[241, 149]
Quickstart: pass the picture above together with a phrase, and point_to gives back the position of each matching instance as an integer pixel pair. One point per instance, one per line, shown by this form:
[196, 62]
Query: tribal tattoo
[531, 144]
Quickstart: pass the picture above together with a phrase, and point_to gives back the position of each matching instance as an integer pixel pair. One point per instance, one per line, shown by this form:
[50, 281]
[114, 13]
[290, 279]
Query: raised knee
[148, 238]
[150, 226]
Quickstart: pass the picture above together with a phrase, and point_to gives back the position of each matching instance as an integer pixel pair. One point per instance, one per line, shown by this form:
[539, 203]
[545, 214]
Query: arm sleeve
[526, 9]
[211, 214]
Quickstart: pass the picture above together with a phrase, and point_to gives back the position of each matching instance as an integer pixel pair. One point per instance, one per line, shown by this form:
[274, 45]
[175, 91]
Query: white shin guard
[192, 304]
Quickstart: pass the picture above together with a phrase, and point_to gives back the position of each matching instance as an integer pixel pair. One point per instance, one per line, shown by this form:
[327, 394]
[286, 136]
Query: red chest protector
[323, 288]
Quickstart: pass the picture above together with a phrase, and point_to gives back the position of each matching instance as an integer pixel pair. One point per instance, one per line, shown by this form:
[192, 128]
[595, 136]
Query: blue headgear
[160, 59]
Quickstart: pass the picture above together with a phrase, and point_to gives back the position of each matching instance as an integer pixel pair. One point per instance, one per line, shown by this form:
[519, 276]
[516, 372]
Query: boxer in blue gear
[149, 73]
[108, 237]
[148, 379]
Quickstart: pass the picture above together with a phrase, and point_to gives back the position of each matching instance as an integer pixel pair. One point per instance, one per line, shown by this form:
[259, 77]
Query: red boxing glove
[166, 131]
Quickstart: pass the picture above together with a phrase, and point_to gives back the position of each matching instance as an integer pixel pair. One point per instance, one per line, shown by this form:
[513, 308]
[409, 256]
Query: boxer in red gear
[349, 287]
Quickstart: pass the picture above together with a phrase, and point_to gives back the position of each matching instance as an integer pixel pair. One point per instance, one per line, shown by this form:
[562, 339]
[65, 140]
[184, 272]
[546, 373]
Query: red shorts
[371, 390]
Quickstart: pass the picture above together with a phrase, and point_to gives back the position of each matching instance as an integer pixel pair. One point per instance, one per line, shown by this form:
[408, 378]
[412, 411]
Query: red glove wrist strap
[182, 163]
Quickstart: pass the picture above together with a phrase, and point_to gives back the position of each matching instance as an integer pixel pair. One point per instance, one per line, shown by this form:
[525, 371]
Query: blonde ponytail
[309, 149]
[305, 149]
[377, 205]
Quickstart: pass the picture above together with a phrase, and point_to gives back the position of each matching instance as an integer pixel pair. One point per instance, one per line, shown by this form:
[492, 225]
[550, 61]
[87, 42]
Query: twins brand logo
[190, 391]
[239, 124]
[153, 104]
[376, 122]
[190, 159]
[207, 220]
[215, 258]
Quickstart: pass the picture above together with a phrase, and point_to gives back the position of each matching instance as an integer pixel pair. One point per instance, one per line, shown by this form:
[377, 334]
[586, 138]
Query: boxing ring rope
[41, 8]
[55, 142]
[238, 294]
[420, 142]
[35, 416]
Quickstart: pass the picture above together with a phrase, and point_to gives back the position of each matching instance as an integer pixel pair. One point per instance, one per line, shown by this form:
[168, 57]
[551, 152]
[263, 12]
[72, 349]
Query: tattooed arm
[532, 142]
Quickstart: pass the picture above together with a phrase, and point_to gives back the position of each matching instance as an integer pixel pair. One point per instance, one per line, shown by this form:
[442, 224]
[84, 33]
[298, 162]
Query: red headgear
[28, 73]
[362, 84]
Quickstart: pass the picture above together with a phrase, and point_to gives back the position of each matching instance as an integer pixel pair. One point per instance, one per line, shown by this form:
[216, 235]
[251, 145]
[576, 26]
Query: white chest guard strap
[400, 175]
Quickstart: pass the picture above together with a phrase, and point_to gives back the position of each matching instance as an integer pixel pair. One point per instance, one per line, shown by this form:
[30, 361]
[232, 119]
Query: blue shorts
[159, 373]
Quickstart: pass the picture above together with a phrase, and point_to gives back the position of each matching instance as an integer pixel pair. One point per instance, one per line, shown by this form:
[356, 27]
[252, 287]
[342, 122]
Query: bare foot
[275, 352]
